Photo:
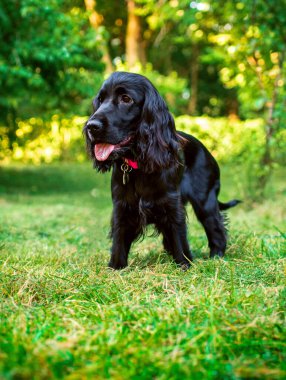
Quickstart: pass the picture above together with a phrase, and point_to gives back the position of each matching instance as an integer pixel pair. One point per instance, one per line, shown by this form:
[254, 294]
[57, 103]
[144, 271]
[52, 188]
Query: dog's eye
[125, 99]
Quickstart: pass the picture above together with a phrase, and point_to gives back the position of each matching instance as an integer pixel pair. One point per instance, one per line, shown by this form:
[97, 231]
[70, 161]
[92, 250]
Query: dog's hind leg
[210, 217]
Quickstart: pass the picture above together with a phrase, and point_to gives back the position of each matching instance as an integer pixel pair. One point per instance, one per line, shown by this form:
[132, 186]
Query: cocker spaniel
[156, 170]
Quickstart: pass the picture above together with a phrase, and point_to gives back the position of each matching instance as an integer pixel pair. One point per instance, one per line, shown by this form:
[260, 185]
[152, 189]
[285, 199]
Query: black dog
[156, 170]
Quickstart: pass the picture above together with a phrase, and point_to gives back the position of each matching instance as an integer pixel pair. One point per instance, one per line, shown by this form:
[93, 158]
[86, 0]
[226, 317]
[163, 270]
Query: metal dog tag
[125, 178]
[126, 170]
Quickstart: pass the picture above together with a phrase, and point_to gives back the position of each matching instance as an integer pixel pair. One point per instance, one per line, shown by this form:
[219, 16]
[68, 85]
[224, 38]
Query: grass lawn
[65, 315]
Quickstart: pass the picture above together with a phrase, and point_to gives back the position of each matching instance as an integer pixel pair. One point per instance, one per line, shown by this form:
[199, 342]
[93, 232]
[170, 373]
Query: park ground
[64, 314]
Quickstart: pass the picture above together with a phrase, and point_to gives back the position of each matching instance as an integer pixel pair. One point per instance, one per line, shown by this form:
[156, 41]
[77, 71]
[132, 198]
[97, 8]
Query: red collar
[132, 164]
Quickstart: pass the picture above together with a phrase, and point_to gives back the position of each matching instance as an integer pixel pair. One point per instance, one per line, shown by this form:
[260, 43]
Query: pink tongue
[102, 151]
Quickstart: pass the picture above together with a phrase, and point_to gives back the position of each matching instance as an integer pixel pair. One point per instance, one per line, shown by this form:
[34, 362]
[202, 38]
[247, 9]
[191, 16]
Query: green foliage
[181, 37]
[40, 141]
[256, 55]
[65, 315]
[212, 58]
[49, 59]
[227, 139]
[240, 143]
[257, 67]
[61, 138]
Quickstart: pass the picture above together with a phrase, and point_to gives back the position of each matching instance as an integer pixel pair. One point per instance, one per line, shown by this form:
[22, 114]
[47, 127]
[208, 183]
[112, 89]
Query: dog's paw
[216, 254]
[117, 265]
[185, 266]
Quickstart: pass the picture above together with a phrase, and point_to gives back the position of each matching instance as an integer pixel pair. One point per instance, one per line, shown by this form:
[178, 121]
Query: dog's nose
[94, 125]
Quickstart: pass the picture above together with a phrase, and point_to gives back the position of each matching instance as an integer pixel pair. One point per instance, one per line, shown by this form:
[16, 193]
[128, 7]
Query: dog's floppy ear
[157, 140]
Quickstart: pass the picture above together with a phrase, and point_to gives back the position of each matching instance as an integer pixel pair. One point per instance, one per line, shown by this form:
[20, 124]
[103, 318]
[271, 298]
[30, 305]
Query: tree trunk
[135, 49]
[192, 106]
[232, 107]
[95, 20]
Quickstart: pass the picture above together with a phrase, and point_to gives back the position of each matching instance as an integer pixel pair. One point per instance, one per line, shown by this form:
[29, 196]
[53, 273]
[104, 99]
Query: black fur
[174, 168]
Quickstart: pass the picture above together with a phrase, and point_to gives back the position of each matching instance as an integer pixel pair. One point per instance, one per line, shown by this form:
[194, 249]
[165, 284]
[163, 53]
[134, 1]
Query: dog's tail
[227, 205]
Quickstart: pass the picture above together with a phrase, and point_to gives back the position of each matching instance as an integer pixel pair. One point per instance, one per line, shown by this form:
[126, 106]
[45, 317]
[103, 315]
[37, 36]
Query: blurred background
[220, 65]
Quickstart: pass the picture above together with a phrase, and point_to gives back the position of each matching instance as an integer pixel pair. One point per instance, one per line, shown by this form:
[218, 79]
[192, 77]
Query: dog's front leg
[123, 233]
[121, 243]
[176, 244]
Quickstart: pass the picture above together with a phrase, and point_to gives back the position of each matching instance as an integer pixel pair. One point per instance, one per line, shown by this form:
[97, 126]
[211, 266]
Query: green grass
[65, 315]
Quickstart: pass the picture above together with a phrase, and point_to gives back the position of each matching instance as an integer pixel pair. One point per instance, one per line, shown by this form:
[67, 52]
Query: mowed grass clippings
[64, 314]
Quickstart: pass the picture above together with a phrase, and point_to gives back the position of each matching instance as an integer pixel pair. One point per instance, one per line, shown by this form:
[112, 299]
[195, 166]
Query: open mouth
[103, 150]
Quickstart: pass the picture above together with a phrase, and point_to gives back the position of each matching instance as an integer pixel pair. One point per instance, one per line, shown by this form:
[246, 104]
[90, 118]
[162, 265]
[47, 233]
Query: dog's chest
[152, 196]
[138, 194]
[146, 199]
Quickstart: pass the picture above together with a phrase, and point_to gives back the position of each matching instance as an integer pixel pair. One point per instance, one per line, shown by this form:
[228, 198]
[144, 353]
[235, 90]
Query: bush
[225, 138]
[38, 141]
[242, 143]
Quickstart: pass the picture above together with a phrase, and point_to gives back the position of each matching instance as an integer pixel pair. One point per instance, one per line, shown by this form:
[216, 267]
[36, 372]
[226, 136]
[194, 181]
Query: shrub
[38, 141]
[225, 138]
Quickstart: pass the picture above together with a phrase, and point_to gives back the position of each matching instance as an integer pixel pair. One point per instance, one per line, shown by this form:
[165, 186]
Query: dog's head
[131, 120]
